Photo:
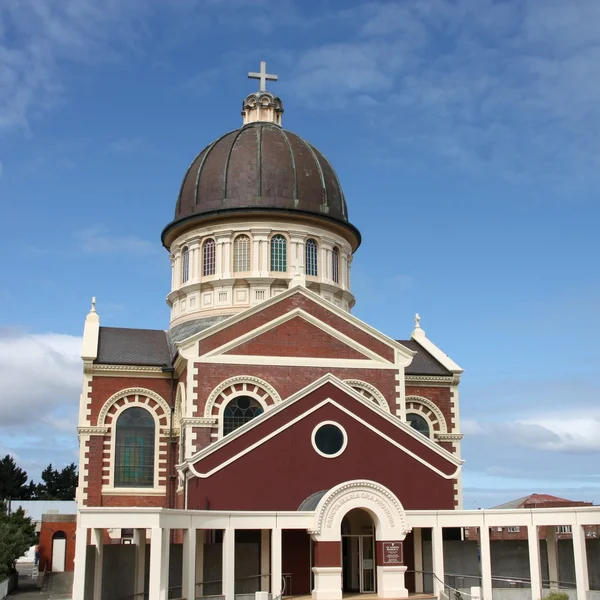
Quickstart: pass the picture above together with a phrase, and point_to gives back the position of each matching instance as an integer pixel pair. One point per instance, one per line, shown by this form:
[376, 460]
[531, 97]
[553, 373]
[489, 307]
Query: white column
[199, 563]
[98, 540]
[486, 562]
[228, 569]
[581, 567]
[139, 539]
[418, 551]
[227, 263]
[159, 564]
[437, 549]
[188, 576]
[552, 557]
[535, 570]
[265, 559]
[255, 257]
[219, 259]
[80, 562]
[276, 570]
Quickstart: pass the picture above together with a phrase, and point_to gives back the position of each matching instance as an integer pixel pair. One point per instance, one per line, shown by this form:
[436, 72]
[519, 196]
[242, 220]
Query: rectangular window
[564, 529]
[241, 254]
[513, 529]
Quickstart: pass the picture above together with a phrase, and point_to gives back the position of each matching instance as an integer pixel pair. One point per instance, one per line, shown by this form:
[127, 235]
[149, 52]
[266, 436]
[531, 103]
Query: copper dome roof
[260, 168]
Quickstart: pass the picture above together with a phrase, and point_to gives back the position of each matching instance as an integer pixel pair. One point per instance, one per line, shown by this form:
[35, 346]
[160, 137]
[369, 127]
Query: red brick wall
[285, 306]
[47, 531]
[440, 396]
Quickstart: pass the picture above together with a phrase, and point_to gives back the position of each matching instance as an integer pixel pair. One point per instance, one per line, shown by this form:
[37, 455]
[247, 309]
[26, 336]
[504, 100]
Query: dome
[260, 168]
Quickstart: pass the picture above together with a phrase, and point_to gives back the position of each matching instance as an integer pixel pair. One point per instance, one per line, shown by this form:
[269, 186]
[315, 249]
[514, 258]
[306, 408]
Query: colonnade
[535, 562]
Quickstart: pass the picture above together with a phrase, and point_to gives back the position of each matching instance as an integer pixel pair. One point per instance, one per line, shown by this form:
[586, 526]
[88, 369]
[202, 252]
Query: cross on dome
[263, 76]
[417, 321]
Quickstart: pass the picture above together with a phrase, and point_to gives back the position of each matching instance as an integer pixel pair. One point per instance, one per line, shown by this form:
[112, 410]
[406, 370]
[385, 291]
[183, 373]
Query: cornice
[129, 370]
[198, 422]
[448, 437]
[433, 380]
[92, 430]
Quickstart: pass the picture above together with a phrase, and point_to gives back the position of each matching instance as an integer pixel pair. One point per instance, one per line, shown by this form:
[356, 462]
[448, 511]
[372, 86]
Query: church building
[268, 441]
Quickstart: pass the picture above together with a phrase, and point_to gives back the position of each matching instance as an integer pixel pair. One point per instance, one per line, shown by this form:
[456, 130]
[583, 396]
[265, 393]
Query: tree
[58, 485]
[12, 480]
[17, 535]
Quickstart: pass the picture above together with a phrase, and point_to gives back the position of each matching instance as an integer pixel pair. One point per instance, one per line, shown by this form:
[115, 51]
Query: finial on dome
[262, 105]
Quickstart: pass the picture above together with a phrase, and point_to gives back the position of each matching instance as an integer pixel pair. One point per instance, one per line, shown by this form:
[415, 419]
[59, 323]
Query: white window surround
[370, 392]
[113, 440]
[314, 433]
[432, 407]
[248, 383]
[139, 397]
[232, 397]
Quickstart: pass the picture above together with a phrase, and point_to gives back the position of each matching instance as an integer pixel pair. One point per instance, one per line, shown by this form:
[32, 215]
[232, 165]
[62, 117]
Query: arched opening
[134, 448]
[59, 551]
[358, 552]
[419, 423]
[240, 411]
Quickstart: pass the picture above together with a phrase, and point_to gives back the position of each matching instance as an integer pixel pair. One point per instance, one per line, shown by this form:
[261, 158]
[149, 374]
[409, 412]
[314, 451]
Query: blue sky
[465, 134]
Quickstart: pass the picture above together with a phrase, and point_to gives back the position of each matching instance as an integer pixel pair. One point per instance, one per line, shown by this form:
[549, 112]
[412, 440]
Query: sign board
[392, 553]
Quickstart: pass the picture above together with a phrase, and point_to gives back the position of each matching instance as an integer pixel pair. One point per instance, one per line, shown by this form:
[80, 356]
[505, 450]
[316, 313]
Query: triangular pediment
[327, 399]
[297, 334]
[338, 324]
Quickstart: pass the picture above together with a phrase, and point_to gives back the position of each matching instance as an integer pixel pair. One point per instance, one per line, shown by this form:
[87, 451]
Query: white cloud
[40, 383]
[97, 240]
[473, 82]
[575, 431]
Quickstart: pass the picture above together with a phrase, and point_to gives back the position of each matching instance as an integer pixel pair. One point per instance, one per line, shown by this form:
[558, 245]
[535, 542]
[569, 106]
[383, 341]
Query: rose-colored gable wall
[282, 472]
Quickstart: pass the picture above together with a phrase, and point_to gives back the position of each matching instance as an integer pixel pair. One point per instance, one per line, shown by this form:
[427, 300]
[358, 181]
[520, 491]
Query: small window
[335, 265]
[329, 439]
[312, 261]
[240, 411]
[185, 264]
[208, 258]
[134, 449]
[513, 529]
[278, 253]
[419, 423]
[241, 254]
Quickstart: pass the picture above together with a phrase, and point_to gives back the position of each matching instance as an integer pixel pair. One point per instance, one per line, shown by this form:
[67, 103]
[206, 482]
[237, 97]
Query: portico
[324, 524]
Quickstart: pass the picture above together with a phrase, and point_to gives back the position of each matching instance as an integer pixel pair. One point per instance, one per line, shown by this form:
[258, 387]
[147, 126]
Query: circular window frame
[344, 434]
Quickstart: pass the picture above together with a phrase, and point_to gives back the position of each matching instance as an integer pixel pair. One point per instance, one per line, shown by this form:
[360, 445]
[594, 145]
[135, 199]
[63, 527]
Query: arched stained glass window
[419, 423]
[208, 257]
[312, 260]
[241, 254]
[335, 265]
[185, 264]
[238, 412]
[134, 449]
[278, 253]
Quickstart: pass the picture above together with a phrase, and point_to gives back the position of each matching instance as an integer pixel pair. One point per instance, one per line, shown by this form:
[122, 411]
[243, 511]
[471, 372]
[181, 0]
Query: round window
[329, 439]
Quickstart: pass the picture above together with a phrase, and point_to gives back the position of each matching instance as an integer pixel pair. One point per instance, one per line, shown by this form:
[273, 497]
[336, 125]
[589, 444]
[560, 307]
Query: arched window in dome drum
[278, 253]
[312, 260]
[185, 264]
[134, 449]
[335, 264]
[238, 412]
[208, 257]
[241, 254]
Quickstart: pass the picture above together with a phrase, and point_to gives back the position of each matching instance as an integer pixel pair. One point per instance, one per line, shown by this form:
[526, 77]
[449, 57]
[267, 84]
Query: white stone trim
[418, 335]
[407, 428]
[93, 430]
[429, 380]
[381, 503]
[433, 408]
[137, 392]
[405, 353]
[244, 380]
[233, 396]
[372, 393]
[314, 444]
[288, 316]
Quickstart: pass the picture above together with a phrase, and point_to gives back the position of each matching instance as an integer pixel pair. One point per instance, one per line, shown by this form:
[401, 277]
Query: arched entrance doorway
[358, 552]
[59, 551]
[374, 559]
